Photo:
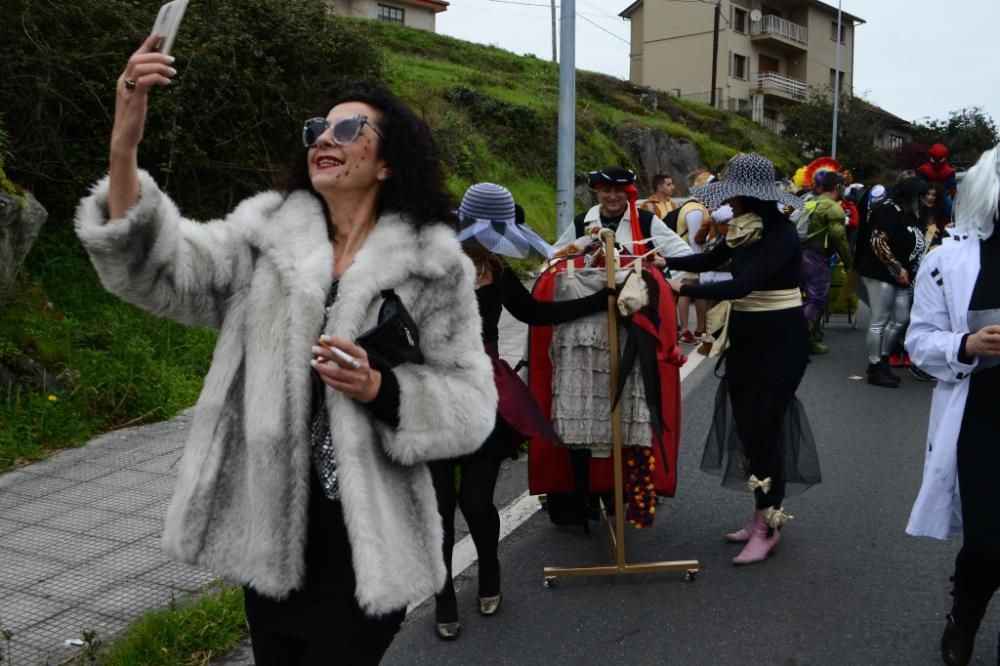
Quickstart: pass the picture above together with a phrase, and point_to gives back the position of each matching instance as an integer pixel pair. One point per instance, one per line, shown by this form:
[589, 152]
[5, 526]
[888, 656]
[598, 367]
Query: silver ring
[130, 84]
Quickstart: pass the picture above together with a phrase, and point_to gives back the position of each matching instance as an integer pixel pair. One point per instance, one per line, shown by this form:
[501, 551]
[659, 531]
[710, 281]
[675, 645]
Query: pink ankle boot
[765, 533]
[742, 535]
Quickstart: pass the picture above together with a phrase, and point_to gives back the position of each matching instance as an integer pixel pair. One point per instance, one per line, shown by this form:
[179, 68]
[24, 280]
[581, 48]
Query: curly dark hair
[416, 189]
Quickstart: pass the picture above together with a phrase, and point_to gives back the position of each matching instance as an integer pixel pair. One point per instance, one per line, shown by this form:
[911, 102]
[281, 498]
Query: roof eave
[627, 12]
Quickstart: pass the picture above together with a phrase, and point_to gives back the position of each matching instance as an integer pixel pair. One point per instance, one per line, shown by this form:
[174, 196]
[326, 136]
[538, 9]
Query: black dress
[977, 568]
[322, 617]
[759, 426]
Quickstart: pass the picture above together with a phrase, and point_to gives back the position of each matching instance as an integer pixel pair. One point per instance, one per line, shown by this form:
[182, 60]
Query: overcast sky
[915, 59]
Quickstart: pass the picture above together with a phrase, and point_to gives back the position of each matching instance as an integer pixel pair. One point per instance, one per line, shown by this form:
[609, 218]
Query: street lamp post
[567, 118]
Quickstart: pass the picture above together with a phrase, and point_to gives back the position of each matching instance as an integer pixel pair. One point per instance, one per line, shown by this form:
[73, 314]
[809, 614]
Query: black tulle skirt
[759, 425]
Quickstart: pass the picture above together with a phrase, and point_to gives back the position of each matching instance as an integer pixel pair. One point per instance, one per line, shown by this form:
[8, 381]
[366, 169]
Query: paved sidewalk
[80, 535]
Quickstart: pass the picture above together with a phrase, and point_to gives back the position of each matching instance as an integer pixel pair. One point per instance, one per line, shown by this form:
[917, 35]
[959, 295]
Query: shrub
[249, 72]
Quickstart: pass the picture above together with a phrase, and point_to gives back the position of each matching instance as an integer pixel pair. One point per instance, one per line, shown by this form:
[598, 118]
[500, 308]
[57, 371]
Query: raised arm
[144, 251]
[145, 70]
[520, 303]
[699, 263]
[775, 249]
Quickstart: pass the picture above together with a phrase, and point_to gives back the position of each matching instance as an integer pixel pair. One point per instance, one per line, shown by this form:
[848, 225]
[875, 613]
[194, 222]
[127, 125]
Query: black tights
[977, 567]
[475, 497]
[759, 414]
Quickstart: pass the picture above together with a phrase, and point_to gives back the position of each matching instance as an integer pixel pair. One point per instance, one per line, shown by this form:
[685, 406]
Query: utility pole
[715, 48]
[554, 59]
[836, 86]
[567, 118]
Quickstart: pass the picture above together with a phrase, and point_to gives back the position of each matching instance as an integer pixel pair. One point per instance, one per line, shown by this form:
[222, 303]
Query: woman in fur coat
[954, 335]
[304, 475]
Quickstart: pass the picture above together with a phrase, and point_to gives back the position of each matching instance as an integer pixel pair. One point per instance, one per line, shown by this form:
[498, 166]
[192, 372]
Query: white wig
[978, 198]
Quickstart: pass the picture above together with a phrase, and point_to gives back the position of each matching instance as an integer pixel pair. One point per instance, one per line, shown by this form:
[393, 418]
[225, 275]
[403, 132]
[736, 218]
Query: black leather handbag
[395, 338]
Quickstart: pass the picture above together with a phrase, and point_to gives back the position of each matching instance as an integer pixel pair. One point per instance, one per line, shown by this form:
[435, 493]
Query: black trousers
[474, 496]
[977, 567]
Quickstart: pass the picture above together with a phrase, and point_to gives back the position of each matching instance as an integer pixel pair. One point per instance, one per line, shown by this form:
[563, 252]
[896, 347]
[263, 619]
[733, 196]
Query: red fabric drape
[548, 464]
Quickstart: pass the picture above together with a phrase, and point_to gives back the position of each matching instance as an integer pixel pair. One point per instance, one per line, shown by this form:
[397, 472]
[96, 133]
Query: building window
[740, 20]
[895, 142]
[833, 31]
[833, 80]
[391, 14]
[739, 66]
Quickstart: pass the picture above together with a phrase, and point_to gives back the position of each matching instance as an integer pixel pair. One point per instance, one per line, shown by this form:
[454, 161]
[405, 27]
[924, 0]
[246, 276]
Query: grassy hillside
[495, 115]
[75, 361]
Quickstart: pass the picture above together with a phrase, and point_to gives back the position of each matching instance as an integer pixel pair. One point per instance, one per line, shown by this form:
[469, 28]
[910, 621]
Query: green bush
[249, 72]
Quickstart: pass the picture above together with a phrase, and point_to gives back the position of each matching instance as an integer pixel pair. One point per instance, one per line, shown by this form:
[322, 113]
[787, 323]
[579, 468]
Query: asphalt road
[846, 585]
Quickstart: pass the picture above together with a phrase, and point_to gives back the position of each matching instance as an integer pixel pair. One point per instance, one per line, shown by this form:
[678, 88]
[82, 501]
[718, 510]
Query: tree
[967, 133]
[859, 125]
[249, 72]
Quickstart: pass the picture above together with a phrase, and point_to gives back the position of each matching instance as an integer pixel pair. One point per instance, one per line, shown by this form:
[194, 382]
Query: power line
[604, 29]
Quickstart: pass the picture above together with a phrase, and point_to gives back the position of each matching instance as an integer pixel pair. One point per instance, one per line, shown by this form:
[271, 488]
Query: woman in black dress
[493, 225]
[760, 435]
[954, 335]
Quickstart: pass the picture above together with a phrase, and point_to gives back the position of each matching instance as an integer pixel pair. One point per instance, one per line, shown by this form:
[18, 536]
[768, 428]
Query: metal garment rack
[616, 531]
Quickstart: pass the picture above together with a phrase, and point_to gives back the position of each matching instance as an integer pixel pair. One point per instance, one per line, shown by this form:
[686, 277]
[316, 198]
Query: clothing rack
[616, 526]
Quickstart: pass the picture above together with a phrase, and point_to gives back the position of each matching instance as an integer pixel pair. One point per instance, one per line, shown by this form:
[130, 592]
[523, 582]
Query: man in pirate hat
[616, 210]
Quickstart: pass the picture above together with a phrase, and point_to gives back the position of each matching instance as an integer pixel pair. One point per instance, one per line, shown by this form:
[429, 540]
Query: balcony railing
[705, 97]
[774, 83]
[775, 126]
[779, 27]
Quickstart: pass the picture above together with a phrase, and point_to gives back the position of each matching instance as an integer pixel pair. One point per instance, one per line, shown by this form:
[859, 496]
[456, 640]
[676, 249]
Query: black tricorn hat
[611, 175]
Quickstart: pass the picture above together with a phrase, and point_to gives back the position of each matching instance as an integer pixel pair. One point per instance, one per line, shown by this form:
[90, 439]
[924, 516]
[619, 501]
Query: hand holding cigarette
[343, 366]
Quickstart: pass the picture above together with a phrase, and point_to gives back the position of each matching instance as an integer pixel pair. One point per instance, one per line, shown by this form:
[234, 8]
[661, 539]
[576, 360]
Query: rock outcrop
[19, 227]
[654, 151]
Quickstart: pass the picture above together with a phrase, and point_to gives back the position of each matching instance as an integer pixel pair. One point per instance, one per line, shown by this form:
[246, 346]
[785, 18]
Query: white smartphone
[168, 21]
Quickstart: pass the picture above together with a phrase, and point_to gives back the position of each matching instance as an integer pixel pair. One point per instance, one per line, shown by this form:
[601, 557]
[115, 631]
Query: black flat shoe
[956, 643]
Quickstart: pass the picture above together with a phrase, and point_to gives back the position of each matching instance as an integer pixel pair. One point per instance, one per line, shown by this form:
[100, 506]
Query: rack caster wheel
[550, 581]
[691, 575]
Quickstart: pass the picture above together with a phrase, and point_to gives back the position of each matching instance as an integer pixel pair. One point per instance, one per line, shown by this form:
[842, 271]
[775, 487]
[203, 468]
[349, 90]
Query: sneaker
[920, 375]
[895, 361]
[687, 338]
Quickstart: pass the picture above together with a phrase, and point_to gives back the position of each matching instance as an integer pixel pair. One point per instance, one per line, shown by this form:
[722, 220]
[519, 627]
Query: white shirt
[668, 243]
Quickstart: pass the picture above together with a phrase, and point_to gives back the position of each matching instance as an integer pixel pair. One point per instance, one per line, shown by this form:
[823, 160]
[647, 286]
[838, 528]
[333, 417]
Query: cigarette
[346, 358]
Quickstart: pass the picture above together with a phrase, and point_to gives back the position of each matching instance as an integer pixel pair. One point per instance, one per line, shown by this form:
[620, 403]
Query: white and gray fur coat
[261, 276]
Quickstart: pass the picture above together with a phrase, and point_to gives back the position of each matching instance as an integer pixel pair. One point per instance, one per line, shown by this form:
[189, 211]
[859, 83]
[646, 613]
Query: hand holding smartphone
[168, 21]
